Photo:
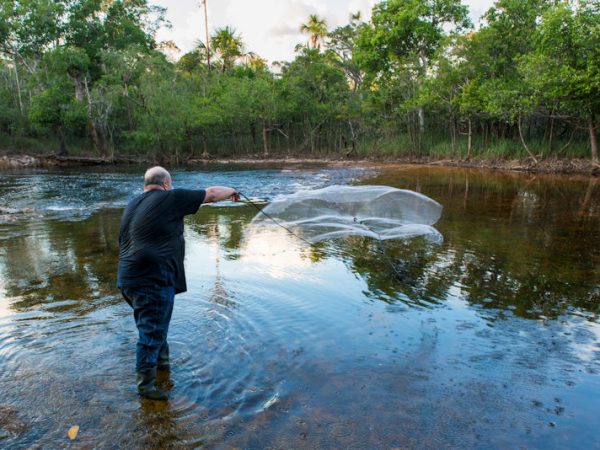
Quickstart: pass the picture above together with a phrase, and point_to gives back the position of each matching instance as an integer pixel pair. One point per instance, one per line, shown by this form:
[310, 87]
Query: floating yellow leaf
[73, 432]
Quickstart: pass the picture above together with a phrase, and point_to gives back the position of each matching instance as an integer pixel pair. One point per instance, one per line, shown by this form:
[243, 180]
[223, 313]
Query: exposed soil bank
[27, 161]
[550, 166]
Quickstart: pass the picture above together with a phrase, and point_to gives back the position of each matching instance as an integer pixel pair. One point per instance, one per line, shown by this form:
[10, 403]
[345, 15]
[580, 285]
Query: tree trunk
[63, 143]
[453, 136]
[188, 133]
[551, 134]
[352, 137]
[409, 131]
[265, 134]
[568, 142]
[593, 140]
[109, 143]
[129, 116]
[18, 85]
[93, 130]
[205, 154]
[523, 141]
[469, 140]
[484, 134]
[421, 114]
[206, 35]
[253, 133]
[79, 89]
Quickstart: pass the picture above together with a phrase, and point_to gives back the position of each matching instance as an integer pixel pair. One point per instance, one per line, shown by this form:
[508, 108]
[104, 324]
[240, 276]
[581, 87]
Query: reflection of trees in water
[586, 209]
[509, 241]
[219, 294]
[424, 274]
[223, 226]
[396, 270]
[223, 229]
[53, 261]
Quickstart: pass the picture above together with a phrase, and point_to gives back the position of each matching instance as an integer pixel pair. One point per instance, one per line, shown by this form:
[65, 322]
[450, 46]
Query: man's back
[151, 245]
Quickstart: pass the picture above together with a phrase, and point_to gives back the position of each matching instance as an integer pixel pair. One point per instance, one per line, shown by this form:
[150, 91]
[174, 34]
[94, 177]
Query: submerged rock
[10, 423]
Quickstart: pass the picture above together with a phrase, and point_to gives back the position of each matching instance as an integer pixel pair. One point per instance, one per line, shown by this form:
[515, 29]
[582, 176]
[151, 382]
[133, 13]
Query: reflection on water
[527, 244]
[487, 340]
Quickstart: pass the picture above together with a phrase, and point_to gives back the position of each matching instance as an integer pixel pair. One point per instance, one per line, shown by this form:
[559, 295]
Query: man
[151, 273]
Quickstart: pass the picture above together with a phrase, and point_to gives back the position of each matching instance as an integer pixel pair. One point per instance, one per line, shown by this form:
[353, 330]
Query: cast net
[380, 212]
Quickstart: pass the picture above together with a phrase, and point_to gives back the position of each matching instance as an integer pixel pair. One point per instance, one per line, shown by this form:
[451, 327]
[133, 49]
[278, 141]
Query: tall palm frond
[228, 44]
[316, 28]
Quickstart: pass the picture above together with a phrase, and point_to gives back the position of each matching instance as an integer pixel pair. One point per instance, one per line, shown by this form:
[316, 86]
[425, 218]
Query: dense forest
[416, 80]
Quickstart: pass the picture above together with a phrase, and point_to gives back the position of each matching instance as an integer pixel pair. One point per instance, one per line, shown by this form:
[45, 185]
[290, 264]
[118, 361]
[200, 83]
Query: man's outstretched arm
[220, 193]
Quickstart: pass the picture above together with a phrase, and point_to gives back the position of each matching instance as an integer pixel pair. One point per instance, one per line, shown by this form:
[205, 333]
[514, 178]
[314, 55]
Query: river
[487, 340]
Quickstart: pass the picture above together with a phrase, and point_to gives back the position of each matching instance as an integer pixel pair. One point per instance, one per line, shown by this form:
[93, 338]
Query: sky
[269, 28]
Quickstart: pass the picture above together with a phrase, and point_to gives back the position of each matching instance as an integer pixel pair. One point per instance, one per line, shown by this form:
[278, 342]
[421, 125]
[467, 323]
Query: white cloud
[271, 28]
[284, 30]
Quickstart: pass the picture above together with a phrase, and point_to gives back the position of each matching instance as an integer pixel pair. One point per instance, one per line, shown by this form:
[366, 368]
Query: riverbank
[548, 166]
[30, 161]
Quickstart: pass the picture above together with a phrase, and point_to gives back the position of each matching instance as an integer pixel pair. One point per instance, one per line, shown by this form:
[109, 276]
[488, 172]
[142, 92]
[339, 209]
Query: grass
[439, 147]
[436, 146]
[44, 145]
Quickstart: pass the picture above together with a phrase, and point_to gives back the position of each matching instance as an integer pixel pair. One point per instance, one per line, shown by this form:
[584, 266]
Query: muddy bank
[28, 161]
[548, 166]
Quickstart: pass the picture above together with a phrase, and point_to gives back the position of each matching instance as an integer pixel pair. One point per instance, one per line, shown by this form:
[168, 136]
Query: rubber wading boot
[146, 383]
[163, 359]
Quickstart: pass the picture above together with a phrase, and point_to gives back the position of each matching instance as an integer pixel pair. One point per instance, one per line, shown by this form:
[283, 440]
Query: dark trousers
[152, 309]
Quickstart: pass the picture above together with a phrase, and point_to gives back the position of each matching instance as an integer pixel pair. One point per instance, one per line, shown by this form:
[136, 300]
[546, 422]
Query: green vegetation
[416, 80]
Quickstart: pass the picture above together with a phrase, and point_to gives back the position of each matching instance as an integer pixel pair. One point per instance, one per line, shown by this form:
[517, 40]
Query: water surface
[489, 339]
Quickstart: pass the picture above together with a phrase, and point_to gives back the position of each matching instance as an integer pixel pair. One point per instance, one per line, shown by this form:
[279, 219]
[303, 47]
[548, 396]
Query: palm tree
[316, 28]
[355, 17]
[228, 45]
[255, 62]
[206, 32]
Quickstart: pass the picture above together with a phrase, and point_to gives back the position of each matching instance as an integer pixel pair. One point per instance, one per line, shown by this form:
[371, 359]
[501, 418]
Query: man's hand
[235, 197]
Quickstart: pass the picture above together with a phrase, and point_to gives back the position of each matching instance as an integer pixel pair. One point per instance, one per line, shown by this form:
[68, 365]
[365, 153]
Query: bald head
[157, 176]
